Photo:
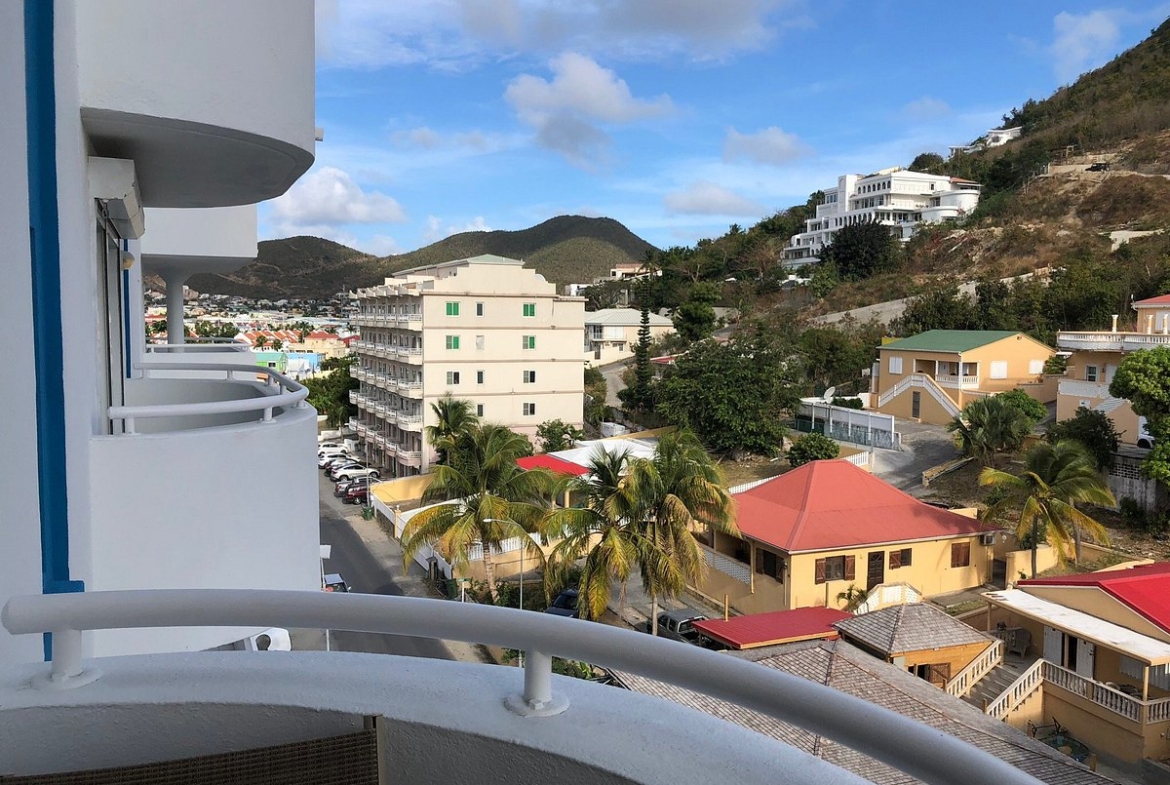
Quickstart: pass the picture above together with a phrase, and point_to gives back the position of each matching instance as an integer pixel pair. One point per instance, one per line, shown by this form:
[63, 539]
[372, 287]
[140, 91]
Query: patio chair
[1019, 642]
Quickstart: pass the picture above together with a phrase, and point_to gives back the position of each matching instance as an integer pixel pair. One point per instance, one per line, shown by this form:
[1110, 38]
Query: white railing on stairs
[924, 382]
[979, 667]
[1017, 692]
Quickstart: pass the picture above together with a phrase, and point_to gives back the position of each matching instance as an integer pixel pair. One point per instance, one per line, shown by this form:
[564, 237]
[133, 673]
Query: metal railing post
[537, 699]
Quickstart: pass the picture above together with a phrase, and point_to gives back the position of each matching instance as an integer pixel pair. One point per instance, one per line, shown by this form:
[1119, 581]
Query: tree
[1143, 378]
[989, 426]
[1031, 408]
[812, 447]
[695, 318]
[453, 417]
[853, 597]
[1095, 432]
[682, 492]
[601, 533]
[943, 308]
[557, 435]
[931, 163]
[329, 392]
[862, 250]
[485, 492]
[277, 345]
[1055, 479]
[596, 391]
[733, 396]
[640, 396]
[261, 341]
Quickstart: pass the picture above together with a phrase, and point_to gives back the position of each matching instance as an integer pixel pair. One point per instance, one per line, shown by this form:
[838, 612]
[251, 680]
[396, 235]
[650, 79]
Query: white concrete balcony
[217, 350]
[412, 458]
[436, 721]
[957, 381]
[180, 243]
[212, 99]
[1083, 389]
[162, 487]
[1110, 341]
[411, 422]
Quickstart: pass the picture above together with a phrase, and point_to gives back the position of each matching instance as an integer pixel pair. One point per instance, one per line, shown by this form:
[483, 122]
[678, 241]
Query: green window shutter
[530, 309]
[452, 309]
[452, 341]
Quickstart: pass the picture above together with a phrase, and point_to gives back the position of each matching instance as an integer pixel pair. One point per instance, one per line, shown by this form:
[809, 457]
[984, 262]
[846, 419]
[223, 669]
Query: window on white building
[1090, 373]
[529, 409]
[530, 377]
[479, 342]
[479, 309]
[479, 410]
[479, 377]
[452, 377]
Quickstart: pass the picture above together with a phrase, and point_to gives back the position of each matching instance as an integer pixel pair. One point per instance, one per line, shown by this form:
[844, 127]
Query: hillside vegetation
[565, 249]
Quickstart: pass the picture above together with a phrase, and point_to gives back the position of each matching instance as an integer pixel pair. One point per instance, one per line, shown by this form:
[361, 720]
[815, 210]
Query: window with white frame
[479, 410]
[479, 343]
[999, 369]
[528, 341]
[895, 364]
[479, 309]
[1035, 367]
[479, 377]
[1090, 373]
[530, 377]
[529, 409]
[452, 377]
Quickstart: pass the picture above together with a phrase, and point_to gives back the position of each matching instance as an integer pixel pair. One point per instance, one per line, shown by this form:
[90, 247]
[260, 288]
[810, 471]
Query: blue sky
[675, 117]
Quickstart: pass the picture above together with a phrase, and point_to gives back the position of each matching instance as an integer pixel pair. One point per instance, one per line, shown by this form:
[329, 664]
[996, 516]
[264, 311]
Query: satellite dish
[829, 393]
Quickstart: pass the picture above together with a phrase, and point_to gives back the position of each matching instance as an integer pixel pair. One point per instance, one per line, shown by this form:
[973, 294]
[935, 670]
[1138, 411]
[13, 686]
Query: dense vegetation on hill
[565, 249]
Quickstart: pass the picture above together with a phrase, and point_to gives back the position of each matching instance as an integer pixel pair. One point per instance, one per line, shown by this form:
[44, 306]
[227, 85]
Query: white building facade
[612, 333]
[124, 150]
[896, 198]
[484, 329]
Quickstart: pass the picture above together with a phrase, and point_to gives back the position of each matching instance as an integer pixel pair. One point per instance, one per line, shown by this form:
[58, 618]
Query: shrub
[812, 447]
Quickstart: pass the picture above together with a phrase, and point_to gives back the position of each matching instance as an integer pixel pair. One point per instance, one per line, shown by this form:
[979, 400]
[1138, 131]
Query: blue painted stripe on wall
[40, 97]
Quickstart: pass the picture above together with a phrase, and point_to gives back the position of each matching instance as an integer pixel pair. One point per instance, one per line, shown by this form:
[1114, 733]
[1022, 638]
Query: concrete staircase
[997, 680]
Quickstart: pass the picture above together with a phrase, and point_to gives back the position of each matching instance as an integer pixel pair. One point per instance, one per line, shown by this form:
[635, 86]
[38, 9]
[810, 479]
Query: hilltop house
[896, 198]
[612, 333]
[828, 526]
[931, 376]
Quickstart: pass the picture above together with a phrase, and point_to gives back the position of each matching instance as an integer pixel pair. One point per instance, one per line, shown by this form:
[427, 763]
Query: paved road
[364, 574]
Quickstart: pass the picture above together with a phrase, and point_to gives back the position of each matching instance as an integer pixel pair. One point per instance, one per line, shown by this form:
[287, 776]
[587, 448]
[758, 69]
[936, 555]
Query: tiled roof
[848, 669]
[768, 629]
[1162, 299]
[917, 626]
[827, 505]
[1145, 589]
[949, 340]
[553, 464]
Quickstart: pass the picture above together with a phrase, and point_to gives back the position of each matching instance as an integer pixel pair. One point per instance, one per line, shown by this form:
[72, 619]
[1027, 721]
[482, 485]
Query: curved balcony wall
[220, 501]
[212, 99]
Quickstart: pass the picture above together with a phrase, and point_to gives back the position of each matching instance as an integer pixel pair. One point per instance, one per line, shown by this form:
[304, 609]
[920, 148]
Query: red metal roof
[767, 629]
[553, 464]
[827, 505]
[1145, 589]
[1162, 299]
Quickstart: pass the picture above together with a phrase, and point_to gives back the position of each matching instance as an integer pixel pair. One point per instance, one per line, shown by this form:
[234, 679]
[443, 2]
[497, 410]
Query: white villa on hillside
[897, 198]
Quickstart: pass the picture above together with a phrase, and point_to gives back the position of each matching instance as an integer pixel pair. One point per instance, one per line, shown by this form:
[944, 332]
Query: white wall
[214, 233]
[20, 542]
[231, 507]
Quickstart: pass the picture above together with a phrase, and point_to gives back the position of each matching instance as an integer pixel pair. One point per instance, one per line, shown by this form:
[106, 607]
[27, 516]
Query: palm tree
[261, 341]
[682, 491]
[454, 417]
[1055, 479]
[853, 597]
[484, 493]
[989, 426]
[600, 532]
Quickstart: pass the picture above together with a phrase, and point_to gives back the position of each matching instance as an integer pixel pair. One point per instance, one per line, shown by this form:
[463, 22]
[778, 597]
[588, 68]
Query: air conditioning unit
[987, 538]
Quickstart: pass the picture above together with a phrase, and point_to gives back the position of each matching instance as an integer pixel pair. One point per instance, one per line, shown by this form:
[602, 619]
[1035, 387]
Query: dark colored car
[356, 493]
[565, 605]
[334, 582]
[1100, 166]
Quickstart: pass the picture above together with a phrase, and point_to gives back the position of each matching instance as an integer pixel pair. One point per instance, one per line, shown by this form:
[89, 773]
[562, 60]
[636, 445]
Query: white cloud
[458, 34]
[380, 245]
[417, 137]
[706, 198]
[328, 196]
[435, 231]
[926, 108]
[566, 111]
[769, 146]
[1083, 42]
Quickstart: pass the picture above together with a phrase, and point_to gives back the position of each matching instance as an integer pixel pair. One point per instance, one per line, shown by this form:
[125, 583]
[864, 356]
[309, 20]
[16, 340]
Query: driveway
[923, 446]
[613, 381]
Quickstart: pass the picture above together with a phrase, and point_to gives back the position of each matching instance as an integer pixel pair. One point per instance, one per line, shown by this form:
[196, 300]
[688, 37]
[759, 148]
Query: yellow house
[817, 531]
[929, 377]
[1101, 645]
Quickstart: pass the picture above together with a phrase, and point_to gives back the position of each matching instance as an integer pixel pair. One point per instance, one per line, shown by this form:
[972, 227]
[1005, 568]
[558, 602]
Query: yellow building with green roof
[931, 376]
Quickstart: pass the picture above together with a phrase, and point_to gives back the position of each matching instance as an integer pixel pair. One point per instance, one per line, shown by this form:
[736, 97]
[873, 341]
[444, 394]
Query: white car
[324, 460]
[1145, 438]
[355, 472]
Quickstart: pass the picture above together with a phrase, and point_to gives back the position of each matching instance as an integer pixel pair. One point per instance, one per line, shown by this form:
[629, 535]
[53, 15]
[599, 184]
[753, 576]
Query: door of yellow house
[876, 571]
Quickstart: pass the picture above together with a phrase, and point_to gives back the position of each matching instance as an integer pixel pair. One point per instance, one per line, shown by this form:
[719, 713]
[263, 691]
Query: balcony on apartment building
[1106, 341]
[949, 374]
[426, 719]
[159, 484]
[157, 95]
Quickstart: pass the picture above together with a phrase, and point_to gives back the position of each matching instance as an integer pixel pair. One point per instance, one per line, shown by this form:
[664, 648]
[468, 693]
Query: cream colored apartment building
[484, 329]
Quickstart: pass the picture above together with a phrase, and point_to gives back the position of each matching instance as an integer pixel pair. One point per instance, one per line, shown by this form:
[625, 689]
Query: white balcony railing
[922, 752]
[727, 565]
[199, 346]
[957, 381]
[1025, 684]
[278, 391]
[1111, 342]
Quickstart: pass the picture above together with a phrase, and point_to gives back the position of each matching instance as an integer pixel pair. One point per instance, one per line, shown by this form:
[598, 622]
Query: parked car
[679, 625]
[565, 605]
[343, 484]
[330, 446]
[357, 493]
[1100, 166]
[1145, 438]
[333, 582]
[353, 472]
[328, 458]
[332, 469]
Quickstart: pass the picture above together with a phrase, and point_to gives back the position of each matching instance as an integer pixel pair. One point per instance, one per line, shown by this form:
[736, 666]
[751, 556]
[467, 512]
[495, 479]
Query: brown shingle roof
[917, 626]
[848, 669]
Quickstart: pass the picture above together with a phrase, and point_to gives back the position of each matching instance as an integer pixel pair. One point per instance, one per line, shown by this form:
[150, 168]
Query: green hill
[565, 249]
